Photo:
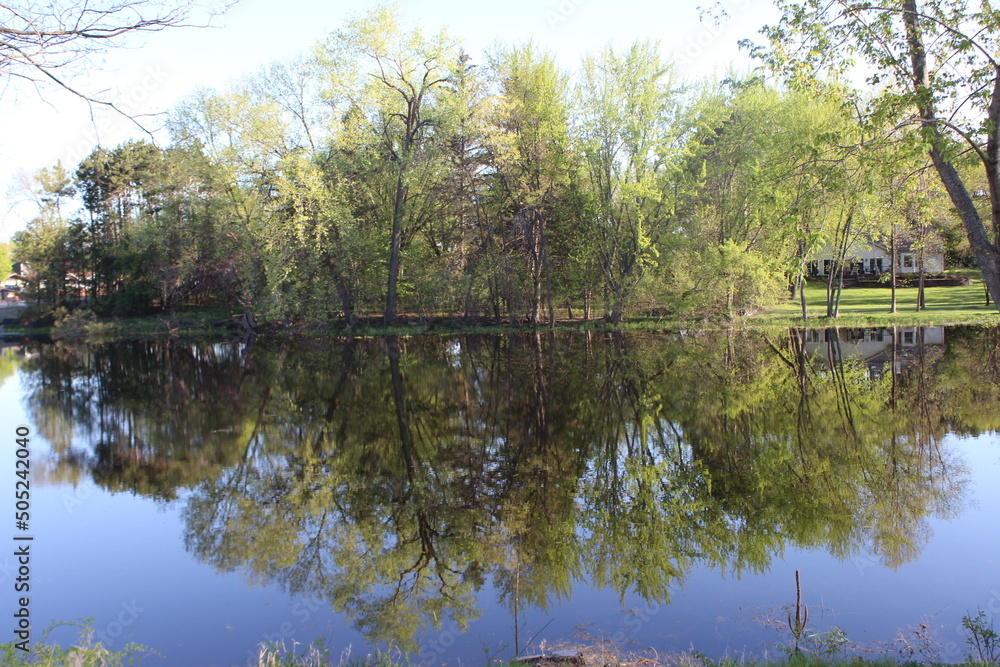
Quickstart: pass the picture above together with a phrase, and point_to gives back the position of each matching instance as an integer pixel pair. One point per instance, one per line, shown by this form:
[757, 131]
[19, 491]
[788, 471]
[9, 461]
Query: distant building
[871, 258]
[15, 280]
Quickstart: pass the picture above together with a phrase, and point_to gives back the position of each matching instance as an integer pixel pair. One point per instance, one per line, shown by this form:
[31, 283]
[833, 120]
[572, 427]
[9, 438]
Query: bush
[81, 323]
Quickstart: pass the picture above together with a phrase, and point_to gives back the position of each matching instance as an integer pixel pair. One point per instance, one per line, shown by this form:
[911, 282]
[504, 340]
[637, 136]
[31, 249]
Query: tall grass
[84, 653]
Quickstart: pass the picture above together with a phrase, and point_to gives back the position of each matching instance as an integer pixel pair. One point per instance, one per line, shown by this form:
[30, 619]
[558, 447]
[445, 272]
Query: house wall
[907, 261]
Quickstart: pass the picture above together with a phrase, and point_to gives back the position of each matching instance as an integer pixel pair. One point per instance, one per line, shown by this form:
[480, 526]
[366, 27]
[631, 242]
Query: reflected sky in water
[650, 490]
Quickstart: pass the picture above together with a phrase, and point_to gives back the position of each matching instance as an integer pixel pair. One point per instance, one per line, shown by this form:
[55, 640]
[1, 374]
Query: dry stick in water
[801, 614]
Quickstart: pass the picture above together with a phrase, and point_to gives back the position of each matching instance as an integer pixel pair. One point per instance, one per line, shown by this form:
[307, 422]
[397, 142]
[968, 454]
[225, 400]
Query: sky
[154, 73]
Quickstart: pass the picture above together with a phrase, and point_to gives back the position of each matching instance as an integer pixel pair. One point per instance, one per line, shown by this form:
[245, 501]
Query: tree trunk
[548, 284]
[343, 293]
[346, 303]
[892, 261]
[986, 252]
[249, 321]
[802, 297]
[920, 284]
[395, 241]
[840, 291]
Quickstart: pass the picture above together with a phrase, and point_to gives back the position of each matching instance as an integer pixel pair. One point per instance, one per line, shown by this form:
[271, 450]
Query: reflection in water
[396, 478]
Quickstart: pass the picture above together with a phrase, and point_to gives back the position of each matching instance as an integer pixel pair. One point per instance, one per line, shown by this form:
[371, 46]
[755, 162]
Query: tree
[626, 105]
[530, 143]
[51, 248]
[246, 137]
[753, 178]
[49, 43]
[396, 78]
[5, 264]
[937, 64]
[118, 189]
[322, 237]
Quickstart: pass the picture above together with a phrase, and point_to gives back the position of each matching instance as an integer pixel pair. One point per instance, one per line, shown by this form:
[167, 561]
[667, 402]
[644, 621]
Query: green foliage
[82, 323]
[730, 281]
[5, 261]
[982, 638]
[933, 65]
[626, 106]
[386, 173]
[528, 142]
[84, 653]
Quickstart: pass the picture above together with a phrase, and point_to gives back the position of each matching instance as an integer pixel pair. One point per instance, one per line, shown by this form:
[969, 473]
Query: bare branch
[49, 43]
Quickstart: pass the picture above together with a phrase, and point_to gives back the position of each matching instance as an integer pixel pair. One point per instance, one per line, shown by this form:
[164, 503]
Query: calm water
[457, 496]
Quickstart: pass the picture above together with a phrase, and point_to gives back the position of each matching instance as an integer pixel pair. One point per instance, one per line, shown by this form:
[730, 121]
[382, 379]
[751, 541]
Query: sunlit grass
[872, 307]
[859, 307]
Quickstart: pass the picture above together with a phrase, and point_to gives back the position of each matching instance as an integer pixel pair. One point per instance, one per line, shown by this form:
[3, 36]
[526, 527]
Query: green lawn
[870, 306]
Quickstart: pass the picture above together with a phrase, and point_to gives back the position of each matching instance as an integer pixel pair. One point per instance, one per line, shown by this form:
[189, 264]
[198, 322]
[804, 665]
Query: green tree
[322, 235]
[245, 135]
[625, 110]
[530, 143]
[396, 78]
[937, 65]
[751, 184]
[51, 248]
[6, 266]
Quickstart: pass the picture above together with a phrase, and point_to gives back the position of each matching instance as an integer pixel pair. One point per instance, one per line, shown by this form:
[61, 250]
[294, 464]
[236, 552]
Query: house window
[906, 261]
[909, 338]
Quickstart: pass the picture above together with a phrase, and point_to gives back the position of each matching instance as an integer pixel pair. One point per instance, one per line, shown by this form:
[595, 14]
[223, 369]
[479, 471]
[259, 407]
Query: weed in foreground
[85, 653]
[982, 638]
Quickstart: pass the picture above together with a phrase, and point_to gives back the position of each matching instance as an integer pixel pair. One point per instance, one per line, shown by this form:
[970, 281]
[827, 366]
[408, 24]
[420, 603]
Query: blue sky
[155, 73]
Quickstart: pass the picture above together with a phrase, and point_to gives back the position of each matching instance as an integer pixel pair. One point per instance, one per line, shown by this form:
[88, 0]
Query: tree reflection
[396, 478]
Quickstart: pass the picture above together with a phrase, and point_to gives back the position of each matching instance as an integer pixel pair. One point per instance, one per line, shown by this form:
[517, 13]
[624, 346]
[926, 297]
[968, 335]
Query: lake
[463, 497]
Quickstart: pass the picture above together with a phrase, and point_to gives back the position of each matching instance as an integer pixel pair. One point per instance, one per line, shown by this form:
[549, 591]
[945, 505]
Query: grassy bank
[871, 307]
[859, 307]
[819, 649]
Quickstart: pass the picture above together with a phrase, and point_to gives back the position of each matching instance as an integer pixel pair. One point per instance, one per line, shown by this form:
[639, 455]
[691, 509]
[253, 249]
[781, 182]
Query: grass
[819, 649]
[859, 307]
[871, 306]
[87, 653]
[192, 322]
[84, 653]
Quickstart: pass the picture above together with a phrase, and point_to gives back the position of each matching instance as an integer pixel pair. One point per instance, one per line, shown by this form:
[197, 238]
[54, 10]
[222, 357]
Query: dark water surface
[459, 496]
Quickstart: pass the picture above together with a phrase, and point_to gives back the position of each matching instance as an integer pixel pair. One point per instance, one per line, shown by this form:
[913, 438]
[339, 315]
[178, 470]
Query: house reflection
[899, 348]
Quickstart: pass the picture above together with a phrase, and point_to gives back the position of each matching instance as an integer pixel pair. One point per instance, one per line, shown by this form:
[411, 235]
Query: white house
[873, 258]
